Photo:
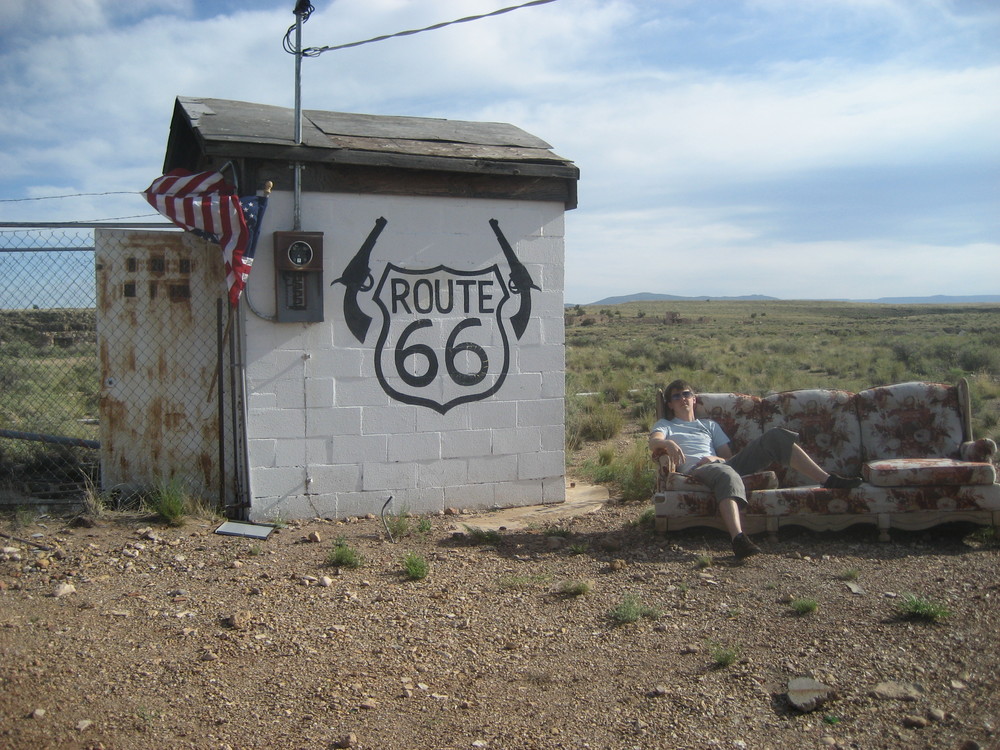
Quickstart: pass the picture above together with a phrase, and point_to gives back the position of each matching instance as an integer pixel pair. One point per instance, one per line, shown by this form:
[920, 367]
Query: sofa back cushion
[828, 428]
[738, 415]
[910, 420]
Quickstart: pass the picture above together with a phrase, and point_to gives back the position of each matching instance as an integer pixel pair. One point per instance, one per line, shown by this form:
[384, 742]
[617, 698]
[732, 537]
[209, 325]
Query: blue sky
[795, 148]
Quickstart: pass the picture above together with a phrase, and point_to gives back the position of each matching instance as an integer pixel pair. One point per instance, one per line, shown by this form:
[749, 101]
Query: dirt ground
[133, 634]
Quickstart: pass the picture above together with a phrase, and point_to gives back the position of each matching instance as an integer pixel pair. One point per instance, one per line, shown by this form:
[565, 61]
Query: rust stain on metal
[156, 309]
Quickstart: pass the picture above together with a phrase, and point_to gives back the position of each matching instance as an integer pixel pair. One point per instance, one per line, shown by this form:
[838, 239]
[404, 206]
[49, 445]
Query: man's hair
[677, 385]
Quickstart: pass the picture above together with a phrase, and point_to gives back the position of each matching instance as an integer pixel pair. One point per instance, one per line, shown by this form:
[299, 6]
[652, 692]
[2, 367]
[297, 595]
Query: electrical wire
[316, 51]
[71, 195]
[305, 9]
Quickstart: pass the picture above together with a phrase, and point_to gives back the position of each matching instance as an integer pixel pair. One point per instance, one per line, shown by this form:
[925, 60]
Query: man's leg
[729, 509]
[781, 445]
[730, 492]
[730, 512]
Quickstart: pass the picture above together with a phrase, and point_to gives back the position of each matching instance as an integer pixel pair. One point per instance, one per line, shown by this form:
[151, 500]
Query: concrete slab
[580, 499]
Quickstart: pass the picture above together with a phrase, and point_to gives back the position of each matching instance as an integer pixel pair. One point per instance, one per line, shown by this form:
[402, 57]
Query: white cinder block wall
[326, 438]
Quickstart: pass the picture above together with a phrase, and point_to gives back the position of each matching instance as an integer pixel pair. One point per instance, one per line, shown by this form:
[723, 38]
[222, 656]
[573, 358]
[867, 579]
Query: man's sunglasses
[681, 394]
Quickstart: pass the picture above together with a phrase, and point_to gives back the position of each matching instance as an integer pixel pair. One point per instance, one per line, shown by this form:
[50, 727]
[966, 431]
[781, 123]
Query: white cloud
[683, 116]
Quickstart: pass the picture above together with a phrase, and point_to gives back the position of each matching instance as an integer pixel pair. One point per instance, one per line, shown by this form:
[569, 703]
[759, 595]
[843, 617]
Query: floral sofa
[911, 442]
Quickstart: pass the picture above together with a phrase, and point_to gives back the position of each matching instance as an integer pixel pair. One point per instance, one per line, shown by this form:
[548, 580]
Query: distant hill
[937, 299]
[650, 297]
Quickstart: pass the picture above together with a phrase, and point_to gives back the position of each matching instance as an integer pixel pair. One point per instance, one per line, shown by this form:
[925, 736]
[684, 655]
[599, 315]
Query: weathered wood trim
[339, 178]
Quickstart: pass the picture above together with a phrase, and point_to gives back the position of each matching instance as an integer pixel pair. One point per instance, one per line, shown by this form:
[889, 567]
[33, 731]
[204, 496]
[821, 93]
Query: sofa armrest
[665, 466]
[981, 450]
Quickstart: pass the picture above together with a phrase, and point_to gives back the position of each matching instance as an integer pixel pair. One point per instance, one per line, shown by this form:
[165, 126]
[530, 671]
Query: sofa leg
[772, 528]
[883, 527]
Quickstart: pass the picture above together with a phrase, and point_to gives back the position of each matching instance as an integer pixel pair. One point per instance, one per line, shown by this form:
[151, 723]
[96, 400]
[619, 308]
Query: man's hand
[710, 460]
[671, 449]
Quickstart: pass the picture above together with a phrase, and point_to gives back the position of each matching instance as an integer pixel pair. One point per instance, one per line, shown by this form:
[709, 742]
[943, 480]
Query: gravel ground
[131, 634]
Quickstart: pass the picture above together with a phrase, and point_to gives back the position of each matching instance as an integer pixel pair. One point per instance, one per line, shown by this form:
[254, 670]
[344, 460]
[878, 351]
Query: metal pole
[220, 345]
[297, 181]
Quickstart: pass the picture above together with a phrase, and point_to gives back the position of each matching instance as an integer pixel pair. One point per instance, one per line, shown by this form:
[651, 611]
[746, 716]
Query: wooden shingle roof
[216, 130]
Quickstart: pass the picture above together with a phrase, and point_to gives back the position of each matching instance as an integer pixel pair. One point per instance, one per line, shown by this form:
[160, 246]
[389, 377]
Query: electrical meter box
[298, 277]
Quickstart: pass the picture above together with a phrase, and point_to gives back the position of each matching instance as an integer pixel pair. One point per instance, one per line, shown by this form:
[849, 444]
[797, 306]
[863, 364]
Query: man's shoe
[837, 482]
[743, 547]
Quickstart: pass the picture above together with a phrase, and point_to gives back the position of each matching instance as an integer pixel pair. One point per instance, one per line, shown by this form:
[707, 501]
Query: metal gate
[119, 367]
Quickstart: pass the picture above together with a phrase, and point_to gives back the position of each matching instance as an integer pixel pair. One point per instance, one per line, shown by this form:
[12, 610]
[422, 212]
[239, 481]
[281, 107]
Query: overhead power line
[69, 195]
[316, 51]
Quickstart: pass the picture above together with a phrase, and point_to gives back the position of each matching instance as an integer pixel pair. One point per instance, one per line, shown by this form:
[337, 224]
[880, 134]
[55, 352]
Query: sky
[800, 149]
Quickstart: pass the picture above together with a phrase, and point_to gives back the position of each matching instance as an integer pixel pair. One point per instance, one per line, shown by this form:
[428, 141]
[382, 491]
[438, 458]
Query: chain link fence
[109, 372]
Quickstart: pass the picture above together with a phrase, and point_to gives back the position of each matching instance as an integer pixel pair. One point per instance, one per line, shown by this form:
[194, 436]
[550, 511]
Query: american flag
[203, 203]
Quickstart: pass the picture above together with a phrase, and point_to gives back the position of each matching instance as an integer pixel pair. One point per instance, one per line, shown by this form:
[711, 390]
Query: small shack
[401, 333]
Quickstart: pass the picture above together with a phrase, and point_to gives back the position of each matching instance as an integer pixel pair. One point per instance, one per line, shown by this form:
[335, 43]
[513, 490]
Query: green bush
[344, 556]
[415, 566]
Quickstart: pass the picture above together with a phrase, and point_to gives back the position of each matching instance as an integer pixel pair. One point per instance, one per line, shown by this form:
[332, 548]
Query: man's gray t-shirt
[697, 439]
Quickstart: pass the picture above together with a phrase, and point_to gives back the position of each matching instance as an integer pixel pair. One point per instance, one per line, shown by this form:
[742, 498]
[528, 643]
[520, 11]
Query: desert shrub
[170, 500]
[595, 420]
[679, 359]
[344, 556]
[723, 656]
[631, 472]
[803, 606]
[415, 566]
[630, 610]
[912, 607]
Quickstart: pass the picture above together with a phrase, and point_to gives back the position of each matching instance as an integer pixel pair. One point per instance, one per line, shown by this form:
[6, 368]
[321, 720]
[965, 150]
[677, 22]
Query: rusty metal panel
[157, 352]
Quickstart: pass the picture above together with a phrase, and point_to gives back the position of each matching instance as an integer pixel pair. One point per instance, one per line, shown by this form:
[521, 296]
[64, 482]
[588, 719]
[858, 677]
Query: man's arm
[660, 445]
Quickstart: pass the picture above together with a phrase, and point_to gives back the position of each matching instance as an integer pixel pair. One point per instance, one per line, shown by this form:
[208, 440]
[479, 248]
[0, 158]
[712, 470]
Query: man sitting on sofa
[699, 448]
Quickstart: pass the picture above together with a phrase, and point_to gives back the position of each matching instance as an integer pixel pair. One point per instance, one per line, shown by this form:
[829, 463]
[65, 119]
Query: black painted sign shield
[443, 341]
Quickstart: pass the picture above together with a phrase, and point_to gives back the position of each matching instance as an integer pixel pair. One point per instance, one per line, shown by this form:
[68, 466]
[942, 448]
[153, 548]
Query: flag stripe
[204, 203]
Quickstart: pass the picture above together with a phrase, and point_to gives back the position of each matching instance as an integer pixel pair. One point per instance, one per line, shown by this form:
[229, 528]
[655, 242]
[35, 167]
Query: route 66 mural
[443, 339]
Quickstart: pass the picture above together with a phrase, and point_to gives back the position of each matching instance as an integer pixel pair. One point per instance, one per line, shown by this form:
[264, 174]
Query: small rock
[346, 741]
[64, 589]
[970, 745]
[617, 565]
[936, 714]
[83, 724]
[806, 694]
[901, 691]
[325, 581]
[38, 713]
[314, 537]
[958, 685]
[659, 691]
[691, 648]
[208, 655]
[452, 512]
[237, 620]
[369, 704]
[914, 722]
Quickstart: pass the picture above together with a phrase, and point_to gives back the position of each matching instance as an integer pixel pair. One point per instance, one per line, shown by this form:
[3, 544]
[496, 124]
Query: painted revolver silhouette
[357, 277]
[519, 281]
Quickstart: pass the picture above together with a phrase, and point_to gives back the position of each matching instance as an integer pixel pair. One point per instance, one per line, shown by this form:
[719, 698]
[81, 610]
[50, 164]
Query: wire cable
[316, 51]
[70, 195]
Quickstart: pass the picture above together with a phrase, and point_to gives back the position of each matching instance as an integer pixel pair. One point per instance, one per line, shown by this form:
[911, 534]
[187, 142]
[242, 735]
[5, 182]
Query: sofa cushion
[923, 472]
[828, 429]
[910, 420]
[675, 482]
[737, 414]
